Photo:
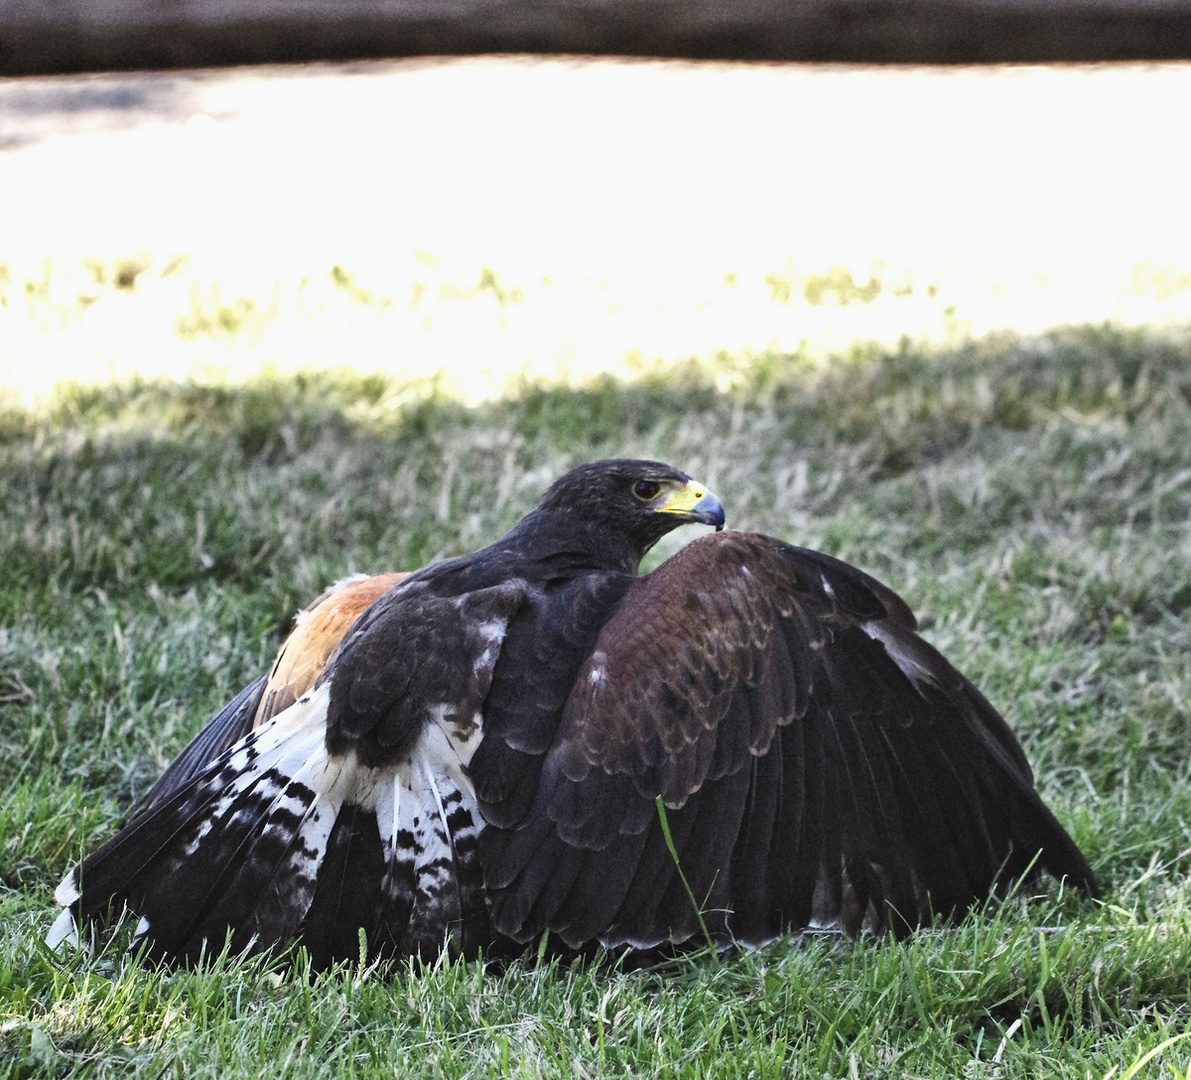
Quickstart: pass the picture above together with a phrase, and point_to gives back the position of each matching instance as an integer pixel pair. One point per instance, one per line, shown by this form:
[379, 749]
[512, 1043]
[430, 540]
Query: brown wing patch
[319, 629]
[693, 645]
[820, 763]
[662, 727]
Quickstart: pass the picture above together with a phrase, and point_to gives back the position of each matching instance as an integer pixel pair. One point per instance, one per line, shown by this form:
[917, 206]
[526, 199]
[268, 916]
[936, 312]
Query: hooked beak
[695, 503]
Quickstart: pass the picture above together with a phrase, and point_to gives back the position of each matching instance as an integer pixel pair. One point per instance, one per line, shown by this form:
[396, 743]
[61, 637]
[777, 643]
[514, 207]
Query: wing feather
[820, 763]
[224, 729]
[299, 663]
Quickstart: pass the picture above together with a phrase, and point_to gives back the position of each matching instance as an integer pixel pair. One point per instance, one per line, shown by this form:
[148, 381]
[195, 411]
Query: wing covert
[820, 764]
[300, 661]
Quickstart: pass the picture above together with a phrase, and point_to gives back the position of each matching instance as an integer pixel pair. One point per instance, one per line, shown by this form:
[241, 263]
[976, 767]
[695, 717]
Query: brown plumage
[300, 661]
[821, 762]
[475, 754]
[319, 629]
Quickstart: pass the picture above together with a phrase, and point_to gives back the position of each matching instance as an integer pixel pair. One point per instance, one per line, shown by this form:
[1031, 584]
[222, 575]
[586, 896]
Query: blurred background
[475, 223]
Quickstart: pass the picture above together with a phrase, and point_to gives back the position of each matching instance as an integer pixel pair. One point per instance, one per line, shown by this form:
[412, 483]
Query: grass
[474, 329]
[1030, 498]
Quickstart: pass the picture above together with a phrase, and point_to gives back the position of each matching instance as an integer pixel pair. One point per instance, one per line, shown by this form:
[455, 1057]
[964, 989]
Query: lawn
[1030, 498]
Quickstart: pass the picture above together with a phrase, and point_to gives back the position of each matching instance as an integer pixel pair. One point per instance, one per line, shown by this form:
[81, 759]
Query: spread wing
[348, 811]
[820, 764]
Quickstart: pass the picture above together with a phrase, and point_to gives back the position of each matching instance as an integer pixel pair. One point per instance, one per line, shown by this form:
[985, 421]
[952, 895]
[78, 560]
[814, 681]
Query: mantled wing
[300, 661]
[820, 763]
[348, 811]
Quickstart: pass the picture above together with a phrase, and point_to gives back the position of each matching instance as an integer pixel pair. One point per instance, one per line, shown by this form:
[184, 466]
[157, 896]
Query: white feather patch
[64, 931]
[391, 807]
[290, 744]
[67, 891]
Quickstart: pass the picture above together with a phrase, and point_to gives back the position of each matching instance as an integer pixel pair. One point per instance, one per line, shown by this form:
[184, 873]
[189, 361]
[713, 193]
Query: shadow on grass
[866, 395]
[181, 483]
[1030, 498]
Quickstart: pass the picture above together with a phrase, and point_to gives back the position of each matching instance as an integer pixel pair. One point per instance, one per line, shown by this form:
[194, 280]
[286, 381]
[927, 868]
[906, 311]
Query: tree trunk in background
[55, 36]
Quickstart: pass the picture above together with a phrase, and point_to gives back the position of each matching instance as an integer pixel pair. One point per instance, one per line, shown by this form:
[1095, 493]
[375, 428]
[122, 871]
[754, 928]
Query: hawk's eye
[647, 489]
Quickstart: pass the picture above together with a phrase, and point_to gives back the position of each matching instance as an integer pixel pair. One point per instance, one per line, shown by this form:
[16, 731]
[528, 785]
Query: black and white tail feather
[277, 840]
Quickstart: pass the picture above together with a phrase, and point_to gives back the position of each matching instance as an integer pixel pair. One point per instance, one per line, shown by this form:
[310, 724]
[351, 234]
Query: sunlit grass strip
[478, 333]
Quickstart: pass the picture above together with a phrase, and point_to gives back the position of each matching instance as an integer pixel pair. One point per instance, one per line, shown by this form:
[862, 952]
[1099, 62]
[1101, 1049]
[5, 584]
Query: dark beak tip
[710, 511]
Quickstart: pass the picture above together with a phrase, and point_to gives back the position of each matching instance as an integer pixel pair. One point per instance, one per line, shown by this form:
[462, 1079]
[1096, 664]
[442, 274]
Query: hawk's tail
[277, 840]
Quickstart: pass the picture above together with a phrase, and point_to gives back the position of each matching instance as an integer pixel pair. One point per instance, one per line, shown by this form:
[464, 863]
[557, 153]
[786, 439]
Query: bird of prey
[535, 740]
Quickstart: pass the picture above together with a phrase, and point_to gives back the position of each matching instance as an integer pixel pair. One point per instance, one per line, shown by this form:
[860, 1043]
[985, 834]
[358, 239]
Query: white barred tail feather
[276, 841]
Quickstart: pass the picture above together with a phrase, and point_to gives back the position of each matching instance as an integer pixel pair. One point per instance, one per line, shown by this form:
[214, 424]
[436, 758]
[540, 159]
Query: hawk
[535, 740]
